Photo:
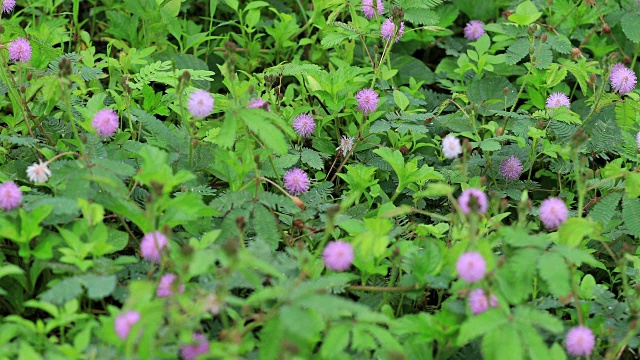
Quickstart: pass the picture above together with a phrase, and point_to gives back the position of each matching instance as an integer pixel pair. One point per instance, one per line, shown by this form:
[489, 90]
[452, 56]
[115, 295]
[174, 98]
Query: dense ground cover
[406, 179]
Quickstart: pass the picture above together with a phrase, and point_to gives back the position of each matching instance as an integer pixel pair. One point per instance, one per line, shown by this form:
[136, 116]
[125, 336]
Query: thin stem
[384, 288]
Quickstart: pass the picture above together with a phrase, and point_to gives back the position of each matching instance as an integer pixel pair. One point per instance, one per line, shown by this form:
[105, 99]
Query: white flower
[638, 139]
[212, 304]
[451, 146]
[346, 144]
[39, 173]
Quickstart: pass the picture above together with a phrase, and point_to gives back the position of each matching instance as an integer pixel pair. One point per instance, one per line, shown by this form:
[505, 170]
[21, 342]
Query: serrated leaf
[631, 26]
[517, 51]
[553, 269]
[264, 224]
[604, 210]
[63, 291]
[502, 344]
[98, 287]
[631, 215]
[258, 122]
[312, 158]
[481, 324]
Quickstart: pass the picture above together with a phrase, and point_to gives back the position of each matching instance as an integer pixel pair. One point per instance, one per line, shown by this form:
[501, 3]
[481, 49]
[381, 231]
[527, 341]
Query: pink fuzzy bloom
[580, 341]
[258, 103]
[510, 168]
[369, 10]
[304, 125]
[200, 104]
[166, 286]
[296, 181]
[20, 50]
[473, 200]
[451, 146]
[338, 255]
[474, 30]
[388, 30]
[367, 100]
[553, 212]
[479, 302]
[8, 5]
[623, 80]
[558, 99]
[201, 347]
[10, 196]
[616, 67]
[152, 245]
[105, 122]
[471, 267]
[125, 321]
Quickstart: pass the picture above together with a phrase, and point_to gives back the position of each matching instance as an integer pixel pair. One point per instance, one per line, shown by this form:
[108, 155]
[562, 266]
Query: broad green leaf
[554, 270]
[481, 324]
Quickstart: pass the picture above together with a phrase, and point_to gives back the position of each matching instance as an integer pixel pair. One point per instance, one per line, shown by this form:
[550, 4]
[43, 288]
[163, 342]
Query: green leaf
[481, 324]
[502, 344]
[63, 291]
[98, 287]
[490, 94]
[631, 215]
[400, 99]
[631, 26]
[526, 14]
[312, 158]
[574, 230]
[553, 269]
[489, 145]
[586, 287]
[517, 51]
[604, 210]
[264, 224]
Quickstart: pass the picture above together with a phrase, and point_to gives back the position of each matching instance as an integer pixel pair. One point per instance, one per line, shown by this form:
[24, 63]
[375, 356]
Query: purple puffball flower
[125, 321]
[474, 30]
[553, 212]
[152, 245]
[479, 302]
[580, 341]
[338, 255]
[367, 100]
[296, 181]
[558, 99]
[201, 347]
[510, 168]
[368, 8]
[616, 67]
[8, 5]
[623, 80]
[20, 50]
[471, 267]
[200, 104]
[10, 196]
[451, 147]
[388, 30]
[259, 103]
[304, 125]
[105, 122]
[166, 286]
[473, 200]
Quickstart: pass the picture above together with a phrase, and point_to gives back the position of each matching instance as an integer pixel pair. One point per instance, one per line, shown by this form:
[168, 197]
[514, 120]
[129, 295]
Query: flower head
[8, 5]
[166, 286]
[474, 30]
[259, 103]
[296, 181]
[369, 10]
[388, 30]
[201, 347]
[510, 168]
[479, 301]
[39, 173]
[367, 100]
[152, 245]
[200, 104]
[213, 304]
[20, 50]
[346, 145]
[451, 146]
[616, 67]
[471, 267]
[10, 196]
[473, 200]
[553, 212]
[558, 99]
[580, 341]
[623, 80]
[105, 122]
[304, 125]
[338, 255]
[125, 321]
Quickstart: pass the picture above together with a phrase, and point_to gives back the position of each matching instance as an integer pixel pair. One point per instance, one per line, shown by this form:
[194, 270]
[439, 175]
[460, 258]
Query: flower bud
[605, 29]
[576, 53]
[543, 38]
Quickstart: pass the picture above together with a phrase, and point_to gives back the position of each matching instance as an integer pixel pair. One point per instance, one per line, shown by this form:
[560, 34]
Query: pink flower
[479, 302]
[258, 103]
[367, 100]
[580, 341]
[471, 267]
[451, 147]
[10, 196]
[553, 212]
[304, 125]
[510, 168]
[201, 347]
[296, 181]
[105, 122]
[166, 286]
[623, 80]
[558, 99]
[8, 5]
[616, 67]
[368, 8]
[200, 104]
[152, 245]
[20, 50]
[125, 321]
[338, 255]
[473, 200]
[474, 30]
[39, 173]
[388, 30]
